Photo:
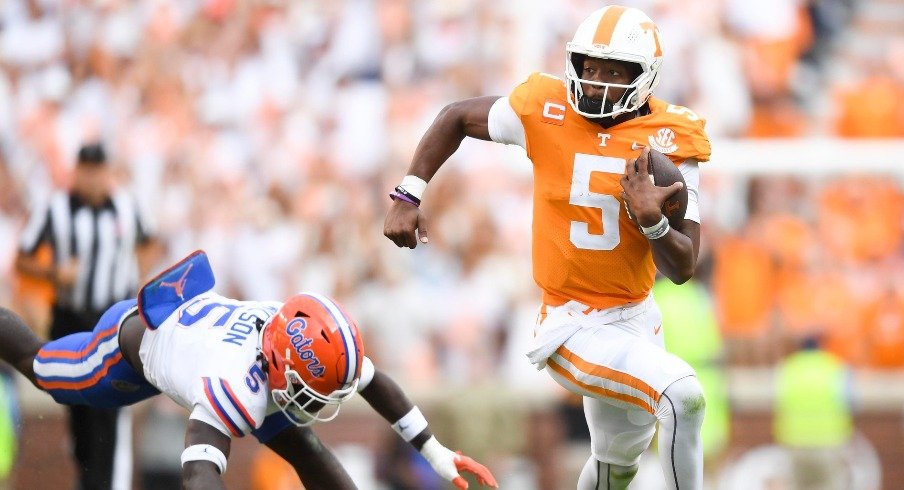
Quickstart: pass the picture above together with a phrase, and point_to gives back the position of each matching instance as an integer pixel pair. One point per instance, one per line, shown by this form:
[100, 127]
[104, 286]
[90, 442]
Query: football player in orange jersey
[599, 330]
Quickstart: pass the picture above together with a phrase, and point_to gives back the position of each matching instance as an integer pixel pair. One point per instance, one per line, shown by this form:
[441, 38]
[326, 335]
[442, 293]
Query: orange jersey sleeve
[585, 248]
[675, 131]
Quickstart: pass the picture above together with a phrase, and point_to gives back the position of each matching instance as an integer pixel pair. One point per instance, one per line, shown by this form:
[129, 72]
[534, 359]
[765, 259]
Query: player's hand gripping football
[404, 224]
[642, 197]
[448, 464]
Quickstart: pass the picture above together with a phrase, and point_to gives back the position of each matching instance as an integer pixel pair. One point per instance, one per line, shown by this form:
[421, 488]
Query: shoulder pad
[529, 97]
[678, 132]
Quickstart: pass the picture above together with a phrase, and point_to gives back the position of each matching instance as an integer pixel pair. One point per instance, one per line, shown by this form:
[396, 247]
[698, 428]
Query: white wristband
[205, 452]
[410, 425]
[414, 185]
[656, 231]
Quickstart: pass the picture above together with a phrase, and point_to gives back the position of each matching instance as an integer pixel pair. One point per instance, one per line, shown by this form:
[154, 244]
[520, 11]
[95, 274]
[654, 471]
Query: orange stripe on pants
[78, 385]
[599, 371]
[633, 400]
[609, 374]
[50, 355]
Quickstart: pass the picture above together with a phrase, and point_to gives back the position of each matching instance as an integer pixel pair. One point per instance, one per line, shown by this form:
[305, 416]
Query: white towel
[556, 329]
[566, 320]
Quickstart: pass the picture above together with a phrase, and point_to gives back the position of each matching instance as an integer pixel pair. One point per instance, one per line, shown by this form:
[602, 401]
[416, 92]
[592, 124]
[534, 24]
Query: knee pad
[684, 398]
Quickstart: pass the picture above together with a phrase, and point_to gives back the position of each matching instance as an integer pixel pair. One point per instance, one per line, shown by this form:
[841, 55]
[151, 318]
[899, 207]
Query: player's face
[311, 408]
[606, 71]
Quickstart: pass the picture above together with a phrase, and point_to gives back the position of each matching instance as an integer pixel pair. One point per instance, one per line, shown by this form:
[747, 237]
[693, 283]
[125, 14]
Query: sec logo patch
[663, 141]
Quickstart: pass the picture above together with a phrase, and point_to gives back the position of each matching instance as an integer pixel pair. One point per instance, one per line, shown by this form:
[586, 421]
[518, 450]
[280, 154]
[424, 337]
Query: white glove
[447, 464]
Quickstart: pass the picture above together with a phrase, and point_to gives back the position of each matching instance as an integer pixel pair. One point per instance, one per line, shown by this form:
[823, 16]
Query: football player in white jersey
[240, 367]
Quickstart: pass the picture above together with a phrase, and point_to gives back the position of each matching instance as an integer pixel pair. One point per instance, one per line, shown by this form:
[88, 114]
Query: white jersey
[204, 357]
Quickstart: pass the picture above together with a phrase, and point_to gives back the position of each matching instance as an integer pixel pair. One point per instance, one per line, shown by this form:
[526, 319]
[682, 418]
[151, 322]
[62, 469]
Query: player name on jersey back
[205, 357]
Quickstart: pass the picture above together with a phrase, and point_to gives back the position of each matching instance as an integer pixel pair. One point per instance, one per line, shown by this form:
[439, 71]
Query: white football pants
[616, 360]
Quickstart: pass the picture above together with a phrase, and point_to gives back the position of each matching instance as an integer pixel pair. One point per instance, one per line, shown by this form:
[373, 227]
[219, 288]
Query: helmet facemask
[635, 95]
[303, 405]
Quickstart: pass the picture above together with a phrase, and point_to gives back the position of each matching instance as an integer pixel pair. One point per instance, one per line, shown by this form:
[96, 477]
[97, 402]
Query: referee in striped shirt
[98, 238]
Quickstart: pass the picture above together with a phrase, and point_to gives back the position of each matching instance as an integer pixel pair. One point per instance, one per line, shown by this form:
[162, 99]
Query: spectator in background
[884, 332]
[773, 35]
[828, 19]
[813, 416]
[33, 296]
[880, 114]
[98, 239]
[8, 426]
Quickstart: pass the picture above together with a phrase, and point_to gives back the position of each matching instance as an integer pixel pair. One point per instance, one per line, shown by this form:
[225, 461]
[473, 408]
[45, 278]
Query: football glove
[448, 464]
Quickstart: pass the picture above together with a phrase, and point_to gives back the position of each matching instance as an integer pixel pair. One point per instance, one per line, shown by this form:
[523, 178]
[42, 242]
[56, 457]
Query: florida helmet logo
[303, 347]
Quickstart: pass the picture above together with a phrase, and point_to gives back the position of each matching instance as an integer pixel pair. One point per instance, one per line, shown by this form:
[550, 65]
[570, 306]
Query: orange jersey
[585, 248]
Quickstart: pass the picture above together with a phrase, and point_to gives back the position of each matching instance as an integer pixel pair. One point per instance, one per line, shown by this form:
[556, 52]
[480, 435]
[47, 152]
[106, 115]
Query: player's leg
[88, 368]
[618, 437]
[97, 447]
[94, 443]
[598, 475]
[617, 358]
[8, 426]
[680, 413]
[18, 344]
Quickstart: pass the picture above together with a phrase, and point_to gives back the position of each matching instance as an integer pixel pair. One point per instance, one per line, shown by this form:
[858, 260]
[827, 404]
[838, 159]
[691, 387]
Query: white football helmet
[618, 33]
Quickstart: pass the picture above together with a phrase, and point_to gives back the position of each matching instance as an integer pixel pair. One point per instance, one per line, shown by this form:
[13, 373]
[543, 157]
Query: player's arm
[30, 266]
[316, 465]
[388, 399]
[204, 457]
[35, 234]
[468, 117]
[675, 252]
[60, 275]
[465, 118]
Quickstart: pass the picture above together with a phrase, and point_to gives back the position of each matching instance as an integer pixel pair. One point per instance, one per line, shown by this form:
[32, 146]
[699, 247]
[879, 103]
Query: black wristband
[401, 193]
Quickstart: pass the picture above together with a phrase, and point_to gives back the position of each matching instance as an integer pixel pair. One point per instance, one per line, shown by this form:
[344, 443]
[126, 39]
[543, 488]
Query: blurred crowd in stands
[270, 132]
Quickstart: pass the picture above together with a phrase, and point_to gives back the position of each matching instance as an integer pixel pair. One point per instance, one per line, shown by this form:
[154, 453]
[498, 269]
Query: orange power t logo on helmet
[649, 26]
[302, 346]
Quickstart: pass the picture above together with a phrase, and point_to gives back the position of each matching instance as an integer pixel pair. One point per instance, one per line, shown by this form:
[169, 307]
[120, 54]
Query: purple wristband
[395, 195]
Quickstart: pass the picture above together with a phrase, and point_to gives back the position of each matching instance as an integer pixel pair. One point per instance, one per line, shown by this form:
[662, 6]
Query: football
[666, 173]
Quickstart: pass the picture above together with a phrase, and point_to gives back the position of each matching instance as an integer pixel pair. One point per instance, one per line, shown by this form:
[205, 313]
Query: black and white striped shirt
[102, 239]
